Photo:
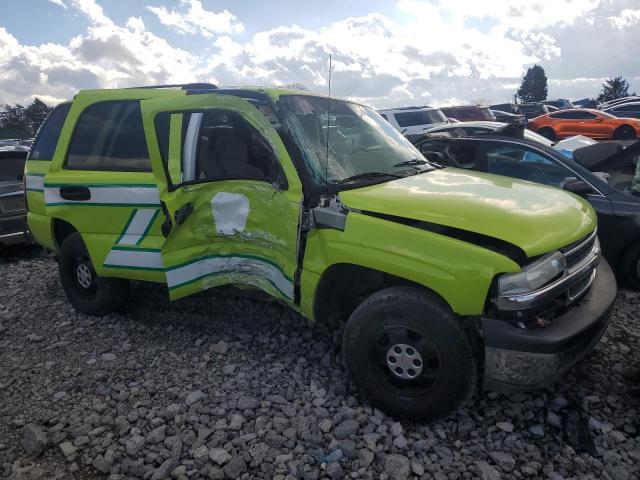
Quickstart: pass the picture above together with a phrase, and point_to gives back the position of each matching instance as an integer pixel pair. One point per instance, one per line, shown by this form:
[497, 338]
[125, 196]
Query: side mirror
[577, 186]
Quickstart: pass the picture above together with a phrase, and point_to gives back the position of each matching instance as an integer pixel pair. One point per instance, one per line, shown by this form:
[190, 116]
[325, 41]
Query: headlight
[533, 276]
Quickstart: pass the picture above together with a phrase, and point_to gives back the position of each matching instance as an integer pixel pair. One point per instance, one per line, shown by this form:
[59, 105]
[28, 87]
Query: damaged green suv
[440, 278]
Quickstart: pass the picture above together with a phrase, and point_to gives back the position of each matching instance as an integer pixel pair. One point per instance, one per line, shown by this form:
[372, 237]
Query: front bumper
[519, 359]
[13, 230]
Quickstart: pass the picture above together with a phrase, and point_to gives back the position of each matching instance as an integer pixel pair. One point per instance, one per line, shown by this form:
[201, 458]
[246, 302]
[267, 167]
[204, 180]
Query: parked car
[532, 110]
[433, 274]
[413, 120]
[587, 122]
[506, 107]
[624, 110]
[585, 103]
[506, 117]
[560, 104]
[619, 101]
[617, 207]
[13, 211]
[469, 113]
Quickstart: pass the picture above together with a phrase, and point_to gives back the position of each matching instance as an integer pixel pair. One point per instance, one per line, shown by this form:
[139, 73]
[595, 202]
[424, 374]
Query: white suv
[413, 120]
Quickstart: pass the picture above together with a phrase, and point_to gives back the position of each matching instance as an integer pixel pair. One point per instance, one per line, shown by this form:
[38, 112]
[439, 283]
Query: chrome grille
[578, 251]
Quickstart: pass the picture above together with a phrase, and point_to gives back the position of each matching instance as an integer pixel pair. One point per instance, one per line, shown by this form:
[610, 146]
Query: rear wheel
[407, 352]
[624, 132]
[631, 267]
[87, 292]
[547, 132]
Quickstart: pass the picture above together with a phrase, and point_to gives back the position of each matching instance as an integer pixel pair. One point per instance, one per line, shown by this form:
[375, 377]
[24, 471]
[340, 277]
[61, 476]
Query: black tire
[624, 132]
[630, 267]
[410, 317]
[547, 132]
[87, 292]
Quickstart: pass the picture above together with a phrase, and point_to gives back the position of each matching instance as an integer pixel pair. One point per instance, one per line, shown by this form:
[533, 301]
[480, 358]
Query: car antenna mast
[326, 165]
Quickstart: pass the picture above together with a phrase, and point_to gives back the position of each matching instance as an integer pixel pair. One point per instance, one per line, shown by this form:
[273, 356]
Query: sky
[384, 53]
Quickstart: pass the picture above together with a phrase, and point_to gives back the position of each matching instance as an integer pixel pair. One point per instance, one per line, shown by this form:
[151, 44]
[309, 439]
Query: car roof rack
[183, 86]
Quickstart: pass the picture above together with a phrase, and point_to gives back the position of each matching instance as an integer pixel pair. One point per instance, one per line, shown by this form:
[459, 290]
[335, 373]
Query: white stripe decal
[138, 226]
[221, 265]
[134, 259]
[35, 182]
[116, 195]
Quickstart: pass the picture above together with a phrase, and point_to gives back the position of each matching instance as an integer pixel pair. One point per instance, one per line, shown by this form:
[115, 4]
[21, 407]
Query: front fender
[460, 272]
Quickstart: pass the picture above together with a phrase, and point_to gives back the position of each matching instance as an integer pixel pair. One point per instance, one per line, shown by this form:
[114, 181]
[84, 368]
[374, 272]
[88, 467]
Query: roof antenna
[326, 166]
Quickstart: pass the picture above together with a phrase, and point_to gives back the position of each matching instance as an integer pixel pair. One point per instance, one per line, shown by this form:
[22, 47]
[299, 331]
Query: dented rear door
[230, 195]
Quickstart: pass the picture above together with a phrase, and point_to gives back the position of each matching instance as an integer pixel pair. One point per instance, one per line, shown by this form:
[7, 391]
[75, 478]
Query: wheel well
[61, 230]
[344, 286]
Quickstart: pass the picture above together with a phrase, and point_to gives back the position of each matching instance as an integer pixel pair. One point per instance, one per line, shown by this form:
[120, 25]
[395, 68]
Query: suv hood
[536, 218]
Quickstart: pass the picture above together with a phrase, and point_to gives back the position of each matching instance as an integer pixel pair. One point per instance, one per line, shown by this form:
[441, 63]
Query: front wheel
[408, 353]
[87, 292]
[624, 132]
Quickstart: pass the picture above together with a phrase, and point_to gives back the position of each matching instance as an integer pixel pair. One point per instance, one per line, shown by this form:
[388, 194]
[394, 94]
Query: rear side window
[563, 114]
[419, 117]
[109, 136]
[12, 166]
[47, 137]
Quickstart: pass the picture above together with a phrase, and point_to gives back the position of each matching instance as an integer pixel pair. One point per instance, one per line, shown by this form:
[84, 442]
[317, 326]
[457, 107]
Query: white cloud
[193, 18]
[60, 3]
[441, 53]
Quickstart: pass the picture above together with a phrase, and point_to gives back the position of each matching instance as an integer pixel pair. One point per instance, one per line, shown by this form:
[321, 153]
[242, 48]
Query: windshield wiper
[413, 161]
[370, 175]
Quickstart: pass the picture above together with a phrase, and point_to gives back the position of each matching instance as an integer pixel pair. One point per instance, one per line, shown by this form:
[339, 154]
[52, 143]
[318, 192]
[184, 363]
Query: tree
[615, 87]
[534, 85]
[17, 121]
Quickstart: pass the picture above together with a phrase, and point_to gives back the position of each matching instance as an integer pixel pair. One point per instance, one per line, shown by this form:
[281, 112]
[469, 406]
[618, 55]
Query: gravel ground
[223, 387]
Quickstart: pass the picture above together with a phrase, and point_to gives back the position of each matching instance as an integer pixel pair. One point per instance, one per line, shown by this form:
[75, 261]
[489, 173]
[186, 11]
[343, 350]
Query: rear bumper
[517, 359]
[13, 230]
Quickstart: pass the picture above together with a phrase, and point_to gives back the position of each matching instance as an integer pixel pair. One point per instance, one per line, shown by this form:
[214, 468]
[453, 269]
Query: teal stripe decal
[133, 214]
[153, 219]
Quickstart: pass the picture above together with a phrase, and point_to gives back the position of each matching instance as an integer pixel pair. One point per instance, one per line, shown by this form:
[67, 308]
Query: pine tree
[35, 114]
[534, 85]
[615, 87]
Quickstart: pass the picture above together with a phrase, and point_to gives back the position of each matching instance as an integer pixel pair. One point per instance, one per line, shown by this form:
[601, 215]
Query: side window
[109, 136]
[584, 115]
[47, 137]
[216, 145]
[517, 161]
[565, 115]
[450, 154]
[11, 166]
[384, 116]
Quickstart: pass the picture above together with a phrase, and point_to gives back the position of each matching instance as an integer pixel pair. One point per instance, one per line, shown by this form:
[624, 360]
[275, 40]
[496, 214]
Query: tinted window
[384, 116]
[12, 166]
[627, 108]
[109, 136]
[583, 115]
[48, 134]
[517, 161]
[226, 147]
[419, 117]
[563, 114]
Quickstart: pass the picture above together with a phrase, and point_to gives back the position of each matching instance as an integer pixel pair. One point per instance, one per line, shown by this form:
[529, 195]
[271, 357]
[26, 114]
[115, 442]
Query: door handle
[79, 193]
[183, 212]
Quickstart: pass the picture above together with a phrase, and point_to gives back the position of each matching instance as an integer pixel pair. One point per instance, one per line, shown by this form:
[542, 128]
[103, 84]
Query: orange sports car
[584, 121]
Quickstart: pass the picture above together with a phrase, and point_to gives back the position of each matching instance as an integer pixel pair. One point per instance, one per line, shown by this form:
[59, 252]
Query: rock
[201, 456]
[554, 476]
[417, 469]
[248, 403]
[505, 461]
[219, 455]
[134, 445]
[537, 430]
[396, 429]
[487, 472]
[220, 348]
[229, 369]
[400, 442]
[195, 397]
[553, 419]
[34, 440]
[104, 463]
[325, 425]
[365, 457]
[164, 470]
[617, 436]
[108, 357]
[68, 450]
[397, 466]
[505, 426]
[235, 467]
[334, 470]
[236, 422]
[346, 429]
[157, 435]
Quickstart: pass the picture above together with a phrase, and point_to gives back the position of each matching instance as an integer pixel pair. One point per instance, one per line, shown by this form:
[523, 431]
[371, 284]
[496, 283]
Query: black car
[604, 174]
[13, 211]
[532, 110]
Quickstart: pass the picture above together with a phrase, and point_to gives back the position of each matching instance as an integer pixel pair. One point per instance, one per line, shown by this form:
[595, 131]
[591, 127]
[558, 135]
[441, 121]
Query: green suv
[439, 278]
